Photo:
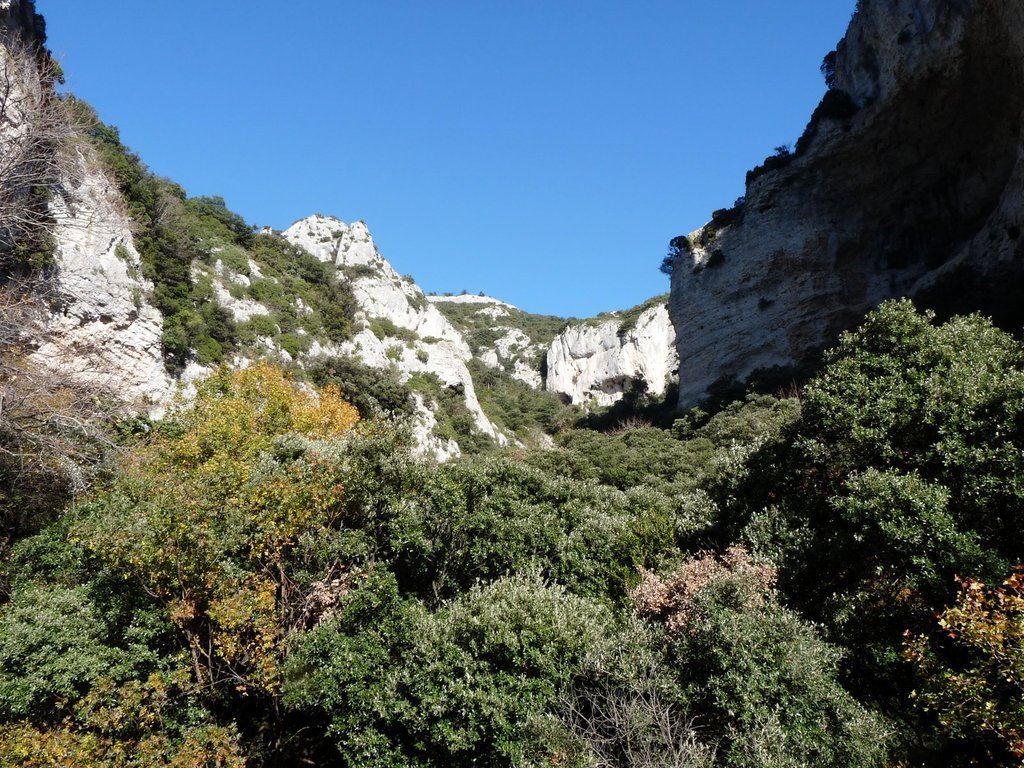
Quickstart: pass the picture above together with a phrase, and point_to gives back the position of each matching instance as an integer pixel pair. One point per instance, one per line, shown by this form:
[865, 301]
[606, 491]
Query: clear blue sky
[543, 151]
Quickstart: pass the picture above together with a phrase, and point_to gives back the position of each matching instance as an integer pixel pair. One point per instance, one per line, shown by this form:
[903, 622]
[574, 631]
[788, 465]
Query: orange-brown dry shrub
[671, 599]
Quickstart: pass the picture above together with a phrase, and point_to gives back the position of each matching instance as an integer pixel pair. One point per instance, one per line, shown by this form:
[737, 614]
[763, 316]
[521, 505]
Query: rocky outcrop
[501, 335]
[20, 18]
[908, 182]
[517, 353]
[102, 330]
[587, 362]
[598, 362]
[471, 298]
[399, 326]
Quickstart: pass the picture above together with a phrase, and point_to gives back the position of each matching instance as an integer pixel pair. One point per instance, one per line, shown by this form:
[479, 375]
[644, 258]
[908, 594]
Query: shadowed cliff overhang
[906, 183]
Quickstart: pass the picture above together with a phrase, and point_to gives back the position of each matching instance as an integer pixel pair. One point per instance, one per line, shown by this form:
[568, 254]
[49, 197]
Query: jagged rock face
[518, 351]
[919, 193]
[432, 344]
[513, 350]
[102, 330]
[380, 290]
[426, 442]
[20, 17]
[599, 363]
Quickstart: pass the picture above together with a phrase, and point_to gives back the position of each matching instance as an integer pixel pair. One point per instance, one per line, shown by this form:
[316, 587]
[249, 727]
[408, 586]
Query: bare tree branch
[53, 429]
[626, 714]
[36, 135]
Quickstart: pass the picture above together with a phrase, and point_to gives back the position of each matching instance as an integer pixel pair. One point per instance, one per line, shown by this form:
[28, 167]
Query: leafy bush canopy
[266, 579]
[210, 511]
[979, 692]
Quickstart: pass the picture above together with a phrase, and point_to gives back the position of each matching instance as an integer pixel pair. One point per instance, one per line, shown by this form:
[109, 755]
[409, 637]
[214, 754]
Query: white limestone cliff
[513, 350]
[103, 330]
[429, 344]
[597, 363]
[100, 330]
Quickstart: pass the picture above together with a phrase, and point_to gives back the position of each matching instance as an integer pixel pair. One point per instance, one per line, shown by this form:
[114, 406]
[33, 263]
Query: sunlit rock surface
[599, 362]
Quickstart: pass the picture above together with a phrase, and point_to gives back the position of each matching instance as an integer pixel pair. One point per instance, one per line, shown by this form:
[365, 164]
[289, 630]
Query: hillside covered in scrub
[266, 579]
[263, 502]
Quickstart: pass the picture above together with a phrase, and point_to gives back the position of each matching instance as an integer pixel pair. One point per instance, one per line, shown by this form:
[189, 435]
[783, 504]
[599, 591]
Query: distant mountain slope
[503, 336]
[591, 363]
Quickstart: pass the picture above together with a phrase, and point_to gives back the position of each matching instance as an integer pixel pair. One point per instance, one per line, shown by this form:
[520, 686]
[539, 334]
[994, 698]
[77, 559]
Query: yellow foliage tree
[119, 727]
[206, 515]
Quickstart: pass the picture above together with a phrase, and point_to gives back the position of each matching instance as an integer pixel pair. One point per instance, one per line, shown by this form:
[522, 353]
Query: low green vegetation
[269, 577]
[384, 329]
[902, 473]
[482, 330]
[517, 408]
[454, 419]
[628, 319]
[375, 392]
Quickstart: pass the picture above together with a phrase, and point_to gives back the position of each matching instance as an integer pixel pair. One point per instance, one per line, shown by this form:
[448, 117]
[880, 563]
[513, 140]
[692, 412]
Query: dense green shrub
[678, 247]
[700, 452]
[259, 581]
[235, 227]
[828, 69]
[726, 217]
[93, 675]
[781, 159]
[972, 669]
[625, 706]
[256, 327]
[384, 329]
[903, 471]
[516, 407]
[290, 275]
[762, 681]
[454, 419]
[467, 685]
[51, 649]
[374, 391]
[482, 520]
[767, 685]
